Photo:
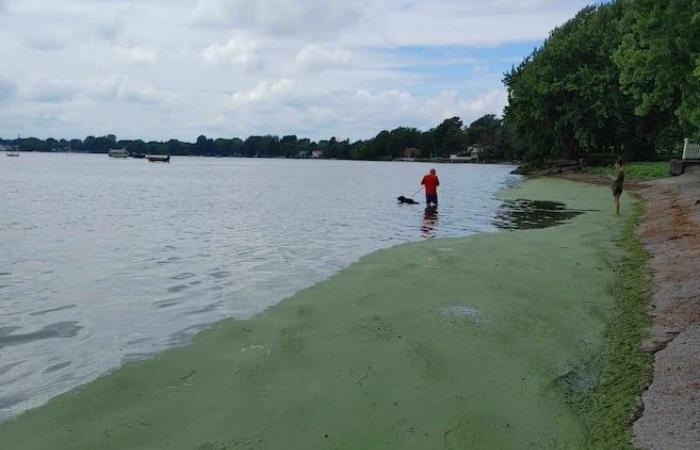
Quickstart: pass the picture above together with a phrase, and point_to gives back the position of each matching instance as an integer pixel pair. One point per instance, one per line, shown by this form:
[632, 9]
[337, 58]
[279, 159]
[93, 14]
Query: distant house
[302, 155]
[460, 157]
[472, 154]
[475, 151]
[316, 154]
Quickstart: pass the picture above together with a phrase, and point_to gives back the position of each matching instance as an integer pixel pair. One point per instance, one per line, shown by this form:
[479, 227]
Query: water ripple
[62, 330]
[122, 262]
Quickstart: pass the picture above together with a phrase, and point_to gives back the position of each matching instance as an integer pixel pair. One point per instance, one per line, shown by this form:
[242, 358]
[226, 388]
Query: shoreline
[669, 231]
[482, 340]
[667, 414]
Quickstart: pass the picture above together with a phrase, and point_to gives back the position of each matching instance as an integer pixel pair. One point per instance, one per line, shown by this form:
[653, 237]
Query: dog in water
[401, 199]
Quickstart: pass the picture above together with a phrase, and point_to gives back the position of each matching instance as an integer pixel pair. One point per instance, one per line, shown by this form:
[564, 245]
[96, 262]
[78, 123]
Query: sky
[160, 69]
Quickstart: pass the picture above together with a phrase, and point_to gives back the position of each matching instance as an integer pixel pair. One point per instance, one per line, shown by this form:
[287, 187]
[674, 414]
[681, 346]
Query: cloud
[135, 54]
[45, 89]
[291, 106]
[237, 51]
[162, 69]
[48, 42]
[467, 23]
[122, 88]
[320, 57]
[391, 22]
[50, 90]
[108, 30]
[280, 17]
[449, 104]
[266, 92]
[7, 90]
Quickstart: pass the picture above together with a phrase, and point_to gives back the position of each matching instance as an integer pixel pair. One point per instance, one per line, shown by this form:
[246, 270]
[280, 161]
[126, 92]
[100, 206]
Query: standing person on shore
[431, 182]
[618, 182]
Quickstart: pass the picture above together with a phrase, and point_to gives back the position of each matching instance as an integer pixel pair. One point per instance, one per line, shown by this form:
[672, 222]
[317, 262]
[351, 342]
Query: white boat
[118, 153]
[10, 150]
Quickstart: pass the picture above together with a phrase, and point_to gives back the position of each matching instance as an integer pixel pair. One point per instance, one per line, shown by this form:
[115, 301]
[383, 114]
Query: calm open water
[104, 261]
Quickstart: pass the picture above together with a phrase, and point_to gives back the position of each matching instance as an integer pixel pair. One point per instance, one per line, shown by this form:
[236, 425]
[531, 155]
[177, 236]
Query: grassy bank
[483, 342]
[635, 171]
[625, 368]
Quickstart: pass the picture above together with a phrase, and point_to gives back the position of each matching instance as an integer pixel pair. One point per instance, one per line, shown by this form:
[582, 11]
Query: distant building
[475, 151]
[302, 155]
[460, 157]
[691, 150]
[472, 154]
[691, 157]
[316, 154]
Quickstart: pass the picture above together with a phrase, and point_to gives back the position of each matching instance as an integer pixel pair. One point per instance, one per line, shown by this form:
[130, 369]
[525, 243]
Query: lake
[103, 261]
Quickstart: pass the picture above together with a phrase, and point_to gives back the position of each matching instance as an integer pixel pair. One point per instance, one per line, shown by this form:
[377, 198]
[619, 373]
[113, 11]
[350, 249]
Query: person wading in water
[431, 183]
[618, 182]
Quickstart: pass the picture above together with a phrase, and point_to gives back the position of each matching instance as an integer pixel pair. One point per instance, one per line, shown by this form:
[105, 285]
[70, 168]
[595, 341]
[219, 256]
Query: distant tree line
[449, 137]
[620, 78]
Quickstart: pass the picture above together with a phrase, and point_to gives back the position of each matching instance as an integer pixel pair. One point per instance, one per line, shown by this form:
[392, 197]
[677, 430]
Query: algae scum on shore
[476, 342]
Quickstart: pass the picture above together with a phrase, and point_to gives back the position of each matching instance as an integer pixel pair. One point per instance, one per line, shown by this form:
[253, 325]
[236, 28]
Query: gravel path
[670, 230]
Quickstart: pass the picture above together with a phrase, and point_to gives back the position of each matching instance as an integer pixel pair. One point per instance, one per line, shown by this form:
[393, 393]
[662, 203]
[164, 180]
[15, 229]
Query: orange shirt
[431, 182]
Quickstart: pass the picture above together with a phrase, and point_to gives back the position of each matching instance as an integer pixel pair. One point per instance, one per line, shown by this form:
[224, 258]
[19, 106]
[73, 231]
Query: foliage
[617, 78]
[657, 57]
[636, 171]
[448, 137]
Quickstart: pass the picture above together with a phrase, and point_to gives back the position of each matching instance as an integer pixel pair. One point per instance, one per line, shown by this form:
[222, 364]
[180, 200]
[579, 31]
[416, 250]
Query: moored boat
[10, 150]
[118, 153]
[158, 158]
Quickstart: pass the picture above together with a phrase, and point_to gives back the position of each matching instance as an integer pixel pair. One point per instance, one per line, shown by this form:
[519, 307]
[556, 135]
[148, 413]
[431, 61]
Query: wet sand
[479, 342]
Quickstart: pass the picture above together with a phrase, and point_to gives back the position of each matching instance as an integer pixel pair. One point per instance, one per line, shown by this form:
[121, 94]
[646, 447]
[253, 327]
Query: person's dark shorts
[617, 192]
[431, 198]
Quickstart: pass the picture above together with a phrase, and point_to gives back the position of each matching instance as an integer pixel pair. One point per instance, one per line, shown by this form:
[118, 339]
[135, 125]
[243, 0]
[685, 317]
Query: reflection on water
[522, 214]
[55, 330]
[429, 222]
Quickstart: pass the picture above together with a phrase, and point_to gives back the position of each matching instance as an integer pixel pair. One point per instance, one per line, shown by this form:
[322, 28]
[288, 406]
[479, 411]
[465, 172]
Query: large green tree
[659, 62]
[620, 78]
[565, 99]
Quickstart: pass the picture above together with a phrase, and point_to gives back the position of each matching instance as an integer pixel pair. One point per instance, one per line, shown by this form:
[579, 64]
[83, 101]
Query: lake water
[104, 261]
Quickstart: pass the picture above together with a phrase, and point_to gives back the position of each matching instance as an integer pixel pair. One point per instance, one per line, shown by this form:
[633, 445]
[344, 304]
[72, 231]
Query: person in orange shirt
[431, 183]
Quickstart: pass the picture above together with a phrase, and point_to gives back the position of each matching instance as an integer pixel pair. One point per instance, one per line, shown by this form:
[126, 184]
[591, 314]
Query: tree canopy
[619, 78]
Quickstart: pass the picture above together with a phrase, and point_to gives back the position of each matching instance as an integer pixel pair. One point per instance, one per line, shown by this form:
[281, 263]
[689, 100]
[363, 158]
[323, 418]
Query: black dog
[403, 200]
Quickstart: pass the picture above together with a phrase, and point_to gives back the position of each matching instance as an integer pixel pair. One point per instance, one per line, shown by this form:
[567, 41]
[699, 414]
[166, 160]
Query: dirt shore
[670, 230]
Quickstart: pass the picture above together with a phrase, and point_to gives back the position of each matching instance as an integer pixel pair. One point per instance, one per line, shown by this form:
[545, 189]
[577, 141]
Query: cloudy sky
[157, 69]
